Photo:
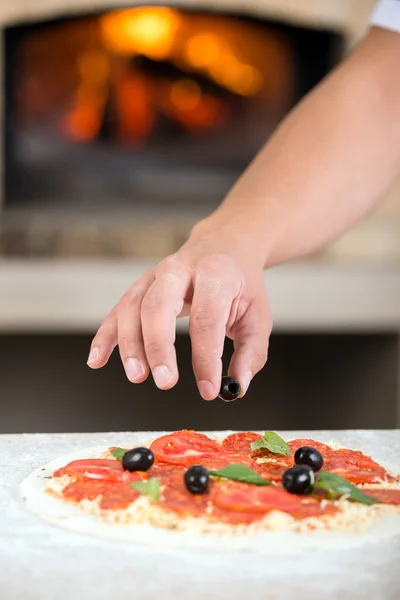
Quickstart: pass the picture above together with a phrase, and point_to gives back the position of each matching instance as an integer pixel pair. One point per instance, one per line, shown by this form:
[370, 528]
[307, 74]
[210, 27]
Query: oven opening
[147, 107]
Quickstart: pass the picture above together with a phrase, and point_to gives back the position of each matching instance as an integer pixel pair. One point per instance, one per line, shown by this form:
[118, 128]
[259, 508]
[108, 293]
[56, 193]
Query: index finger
[160, 307]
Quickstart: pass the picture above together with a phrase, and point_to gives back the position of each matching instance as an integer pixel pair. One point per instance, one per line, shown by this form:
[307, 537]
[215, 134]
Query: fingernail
[162, 376]
[94, 355]
[207, 390]
[133, 369]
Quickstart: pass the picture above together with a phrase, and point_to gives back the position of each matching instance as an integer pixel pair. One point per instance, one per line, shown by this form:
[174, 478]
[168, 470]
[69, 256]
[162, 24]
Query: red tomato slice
[299, 443]
[261, 500]
[184, 448]
[354, 466]
[222, 459]
[384, 496]
[255, 499]
[271, 471]
[113, 495]
[240, 442]
[355, 458]
[356, 475]
[98, 468]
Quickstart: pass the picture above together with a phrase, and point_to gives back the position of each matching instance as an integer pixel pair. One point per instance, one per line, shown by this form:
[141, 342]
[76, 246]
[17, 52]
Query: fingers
[251, 337]
[143, 324]
[122, 327]
[161, 305]
[214, 291]
[104, 342]
[130, 335]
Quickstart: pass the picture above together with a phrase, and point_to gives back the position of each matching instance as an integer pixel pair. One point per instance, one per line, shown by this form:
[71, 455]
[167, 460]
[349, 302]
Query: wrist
[232, 231]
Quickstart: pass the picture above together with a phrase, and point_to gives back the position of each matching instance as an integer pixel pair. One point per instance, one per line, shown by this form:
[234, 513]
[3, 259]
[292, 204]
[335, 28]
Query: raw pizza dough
[70, 516]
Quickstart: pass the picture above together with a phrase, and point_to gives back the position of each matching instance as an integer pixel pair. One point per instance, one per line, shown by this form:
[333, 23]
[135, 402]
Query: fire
[149, 31]
[203, 50]
[84, 121]
[193, 48]
[185, 94]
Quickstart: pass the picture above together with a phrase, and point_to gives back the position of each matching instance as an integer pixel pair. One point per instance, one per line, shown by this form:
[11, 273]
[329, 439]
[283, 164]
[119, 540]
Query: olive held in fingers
[230, 389]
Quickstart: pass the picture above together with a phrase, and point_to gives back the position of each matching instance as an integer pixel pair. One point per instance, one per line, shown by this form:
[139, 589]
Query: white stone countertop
[41, 562]
[75, 296]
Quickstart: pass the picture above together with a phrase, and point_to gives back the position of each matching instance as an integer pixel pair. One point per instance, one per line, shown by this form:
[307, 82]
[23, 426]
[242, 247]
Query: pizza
[241, 486]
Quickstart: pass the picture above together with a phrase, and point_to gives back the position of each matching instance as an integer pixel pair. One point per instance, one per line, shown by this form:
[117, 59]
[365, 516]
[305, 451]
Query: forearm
[327, 165]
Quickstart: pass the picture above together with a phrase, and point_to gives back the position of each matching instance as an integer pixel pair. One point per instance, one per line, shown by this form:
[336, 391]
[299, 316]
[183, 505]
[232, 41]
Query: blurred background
[122, 125]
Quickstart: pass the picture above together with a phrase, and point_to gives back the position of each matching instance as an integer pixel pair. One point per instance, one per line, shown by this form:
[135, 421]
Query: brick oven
[124, 122]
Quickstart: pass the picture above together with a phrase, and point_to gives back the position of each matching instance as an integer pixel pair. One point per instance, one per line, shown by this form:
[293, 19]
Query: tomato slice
[271, 471]
[354, 466]
[184, 448]
[261, 500]
[223, 459]
[355, 458]
[176, 497]
[384, 496]
[254, 499]
[113, 495]
[240, 442]
[98, 468]
[299, 443]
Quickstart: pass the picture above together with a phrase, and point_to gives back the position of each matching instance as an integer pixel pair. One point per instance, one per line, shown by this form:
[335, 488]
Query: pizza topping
[118, 453]
[272, 442]
[384, 496]
[197, 479]
[299, 443]
[184, 448]
[240, 442]
[298, 479]
[271, 471]
[97, 468]
[176, 497]
[138, 459]
[237, 481]
[151, 487]
[112, 496]
[223, 459]
[354, 466]
[230, 389]
[240, 473]
[261, 500]
[336, 487]
[306, 455]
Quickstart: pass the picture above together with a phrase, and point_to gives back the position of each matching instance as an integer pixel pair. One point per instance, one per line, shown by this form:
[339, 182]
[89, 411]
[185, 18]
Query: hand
[215, 281]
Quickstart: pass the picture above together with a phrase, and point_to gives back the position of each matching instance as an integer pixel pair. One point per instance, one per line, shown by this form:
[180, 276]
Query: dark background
[310, 381]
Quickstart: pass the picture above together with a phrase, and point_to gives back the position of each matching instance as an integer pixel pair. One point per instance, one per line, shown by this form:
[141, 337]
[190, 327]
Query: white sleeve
[387, 15]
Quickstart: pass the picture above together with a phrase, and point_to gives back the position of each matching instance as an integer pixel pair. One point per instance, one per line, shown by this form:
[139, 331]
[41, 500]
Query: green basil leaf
[238, 472]
[337, 486]
[118, 453]
[150, 487]
[272, 442]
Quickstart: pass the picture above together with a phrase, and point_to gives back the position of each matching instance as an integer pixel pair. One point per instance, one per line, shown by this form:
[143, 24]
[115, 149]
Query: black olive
[230, 389]
[309, 456]
[197, 479]
[138, 459]
[298, 479]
